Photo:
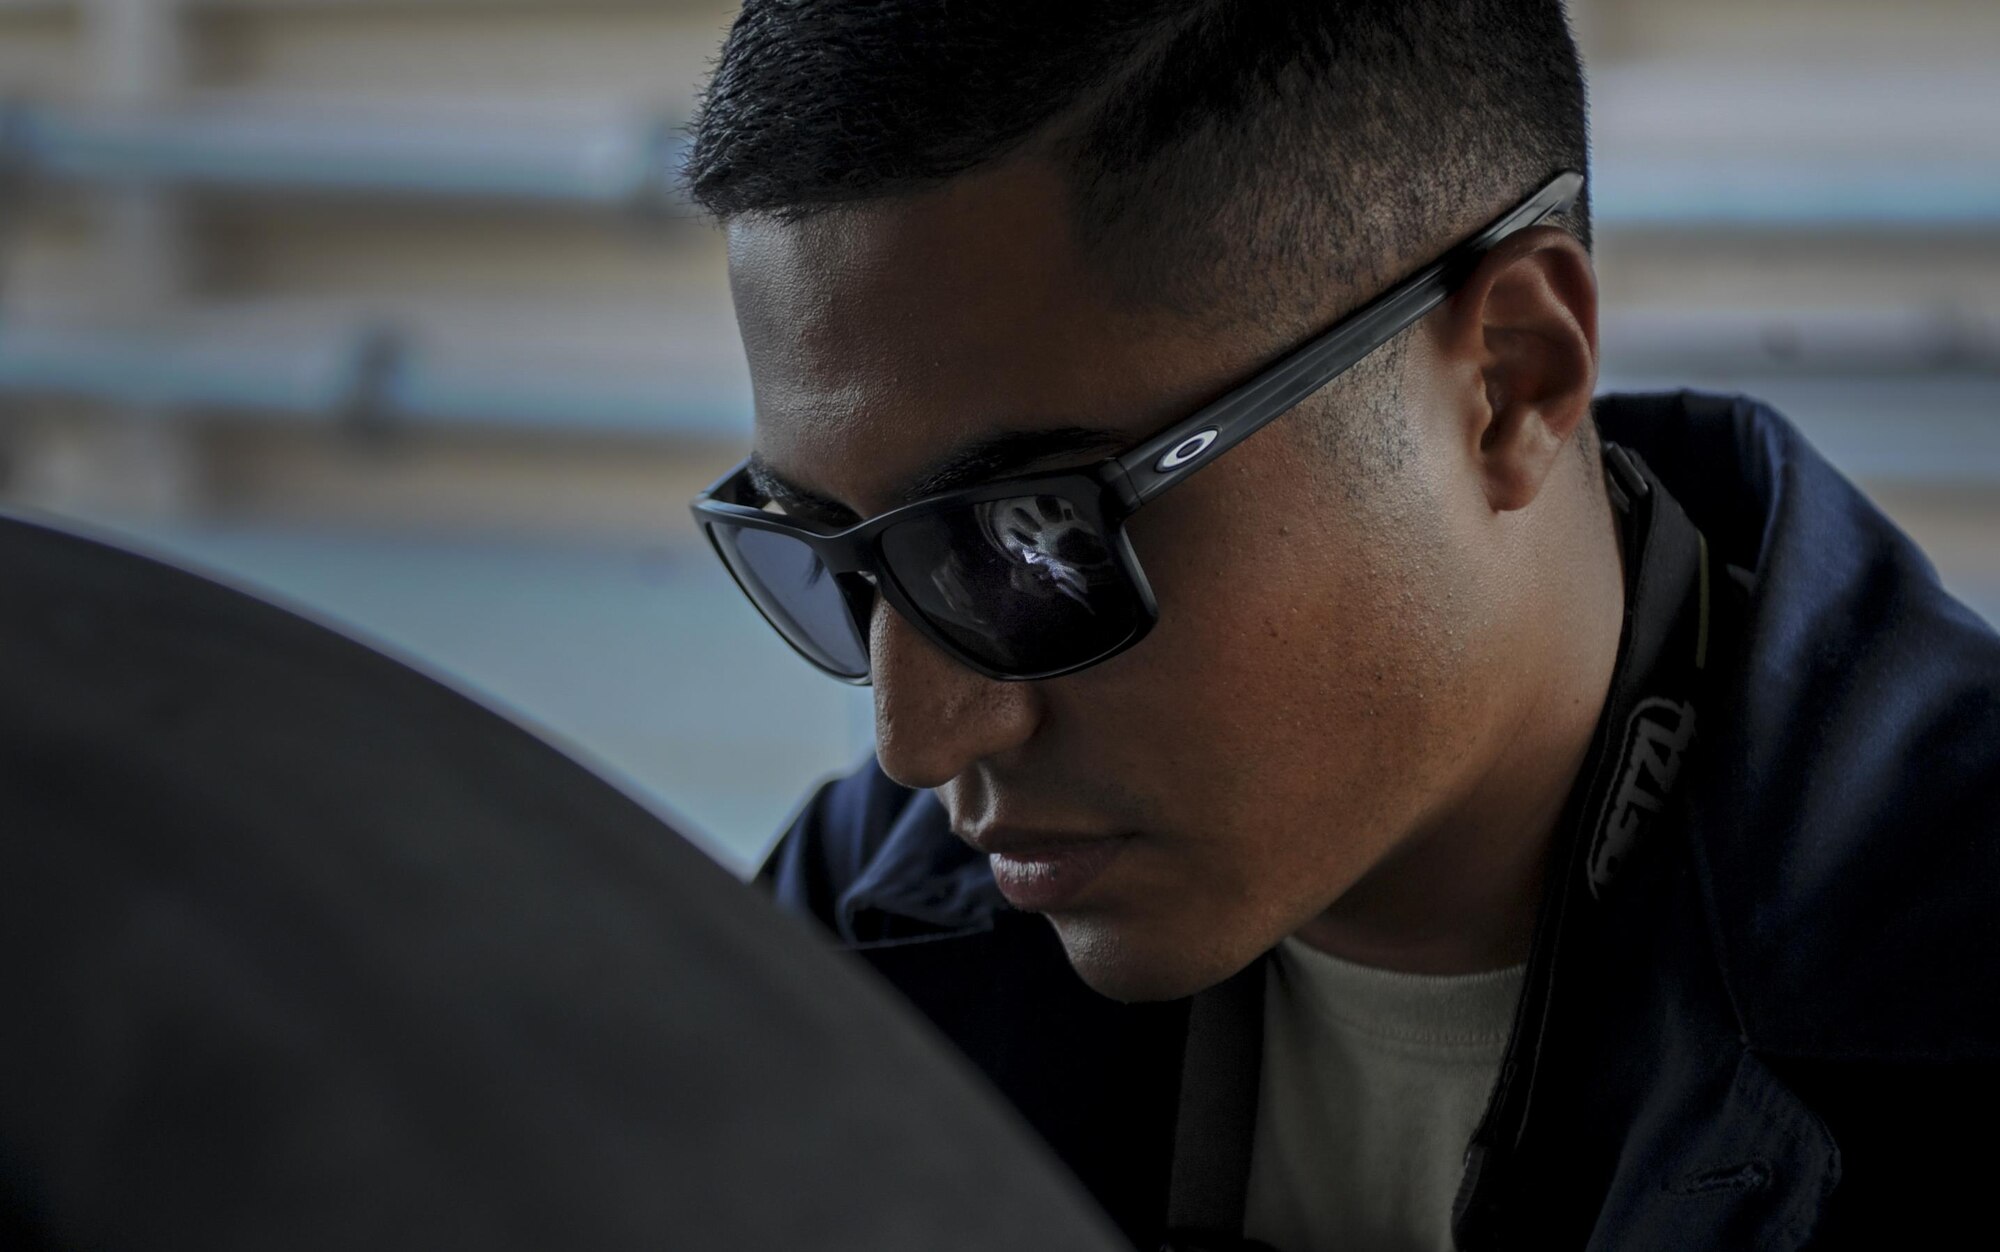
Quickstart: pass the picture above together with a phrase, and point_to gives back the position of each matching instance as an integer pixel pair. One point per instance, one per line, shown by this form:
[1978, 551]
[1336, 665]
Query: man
[1346, 788]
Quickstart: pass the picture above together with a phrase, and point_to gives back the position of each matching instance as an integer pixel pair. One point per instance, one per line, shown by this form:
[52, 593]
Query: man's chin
[1115, 961]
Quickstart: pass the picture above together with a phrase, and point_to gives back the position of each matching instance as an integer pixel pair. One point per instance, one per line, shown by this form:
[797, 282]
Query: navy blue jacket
[1785, 1035]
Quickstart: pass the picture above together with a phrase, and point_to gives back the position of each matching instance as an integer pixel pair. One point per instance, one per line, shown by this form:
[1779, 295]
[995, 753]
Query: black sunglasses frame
[1110, 491]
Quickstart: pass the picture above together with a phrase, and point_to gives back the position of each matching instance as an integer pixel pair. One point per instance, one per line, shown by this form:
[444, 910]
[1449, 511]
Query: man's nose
[934, 718]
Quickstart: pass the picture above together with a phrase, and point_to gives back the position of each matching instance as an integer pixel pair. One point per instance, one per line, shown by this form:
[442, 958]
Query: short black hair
[1237, 153]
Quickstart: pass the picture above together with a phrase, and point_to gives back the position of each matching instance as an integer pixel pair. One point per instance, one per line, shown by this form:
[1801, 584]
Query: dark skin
[1370, 688]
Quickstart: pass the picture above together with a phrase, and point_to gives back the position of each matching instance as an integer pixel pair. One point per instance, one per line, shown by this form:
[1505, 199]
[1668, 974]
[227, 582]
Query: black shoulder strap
[1220, 1070]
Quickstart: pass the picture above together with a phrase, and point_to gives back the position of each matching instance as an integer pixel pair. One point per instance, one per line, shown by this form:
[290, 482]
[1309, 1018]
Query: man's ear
[1521, 331]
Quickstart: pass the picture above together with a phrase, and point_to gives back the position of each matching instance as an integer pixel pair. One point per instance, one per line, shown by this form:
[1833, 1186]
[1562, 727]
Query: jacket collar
[1841, 822]
[921, 879]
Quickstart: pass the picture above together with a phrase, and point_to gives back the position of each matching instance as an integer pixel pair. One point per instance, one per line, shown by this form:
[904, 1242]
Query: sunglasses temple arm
[1177, 452]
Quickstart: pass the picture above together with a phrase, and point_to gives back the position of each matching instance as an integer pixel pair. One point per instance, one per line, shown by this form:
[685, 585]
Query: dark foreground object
[300, 949]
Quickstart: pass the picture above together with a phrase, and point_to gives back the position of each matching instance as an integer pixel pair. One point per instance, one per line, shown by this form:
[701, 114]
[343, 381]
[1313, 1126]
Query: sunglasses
[1033, 576]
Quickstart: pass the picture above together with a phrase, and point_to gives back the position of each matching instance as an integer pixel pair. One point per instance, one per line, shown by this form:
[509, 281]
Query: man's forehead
[897, 345]
[964, 258]
[900, 346]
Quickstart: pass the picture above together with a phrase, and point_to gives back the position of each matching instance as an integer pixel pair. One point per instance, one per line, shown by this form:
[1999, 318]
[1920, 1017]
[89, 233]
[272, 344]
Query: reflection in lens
[1047, 540]
[790, 583]
[1025, 584]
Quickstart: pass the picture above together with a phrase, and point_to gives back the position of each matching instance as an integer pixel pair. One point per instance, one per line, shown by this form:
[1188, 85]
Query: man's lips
[1042, 869]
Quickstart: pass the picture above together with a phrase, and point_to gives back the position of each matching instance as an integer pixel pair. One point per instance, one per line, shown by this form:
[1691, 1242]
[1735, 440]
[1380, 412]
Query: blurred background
[389, 307]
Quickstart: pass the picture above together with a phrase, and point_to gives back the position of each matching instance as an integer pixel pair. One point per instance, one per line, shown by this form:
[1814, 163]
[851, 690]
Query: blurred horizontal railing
[1757, 192]
[1771, 167]
[1873, 340]
[368, 375]
[625, 161]
[1763, 144]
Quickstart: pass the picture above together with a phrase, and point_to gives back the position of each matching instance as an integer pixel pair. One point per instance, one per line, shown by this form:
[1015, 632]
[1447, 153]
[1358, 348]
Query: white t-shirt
[1373, 1082]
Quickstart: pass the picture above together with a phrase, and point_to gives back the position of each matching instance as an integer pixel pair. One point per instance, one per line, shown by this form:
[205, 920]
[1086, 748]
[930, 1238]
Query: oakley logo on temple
[1187, 450]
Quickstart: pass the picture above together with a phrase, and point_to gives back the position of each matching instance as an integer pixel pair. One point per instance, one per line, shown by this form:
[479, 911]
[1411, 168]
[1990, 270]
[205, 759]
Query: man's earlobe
[1526, 319]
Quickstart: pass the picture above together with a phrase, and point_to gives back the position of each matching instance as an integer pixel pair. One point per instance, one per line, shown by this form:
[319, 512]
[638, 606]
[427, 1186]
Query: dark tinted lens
[792, 586]
[1026, 584]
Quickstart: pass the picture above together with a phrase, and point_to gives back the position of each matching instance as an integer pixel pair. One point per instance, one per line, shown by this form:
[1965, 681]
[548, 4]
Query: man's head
[949, 221]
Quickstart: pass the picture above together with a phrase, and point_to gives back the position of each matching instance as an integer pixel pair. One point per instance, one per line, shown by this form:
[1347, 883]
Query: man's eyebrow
[973, 462]
[796, 499]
